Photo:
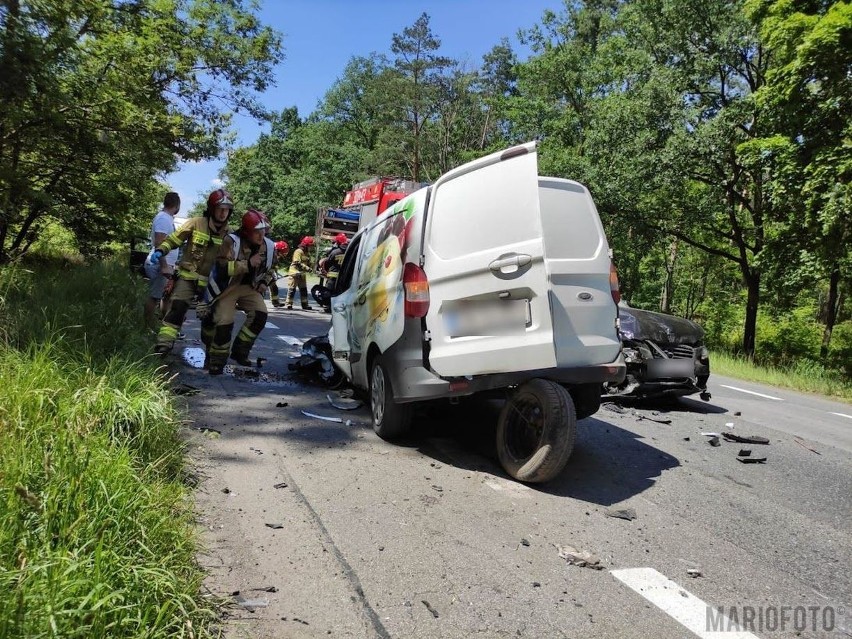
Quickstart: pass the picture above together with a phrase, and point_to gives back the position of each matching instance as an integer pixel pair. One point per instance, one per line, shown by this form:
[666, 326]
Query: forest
[713, 135]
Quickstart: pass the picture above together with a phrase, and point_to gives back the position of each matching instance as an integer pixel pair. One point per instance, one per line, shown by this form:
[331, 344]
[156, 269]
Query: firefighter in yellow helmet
[299, 267]
[201, 238]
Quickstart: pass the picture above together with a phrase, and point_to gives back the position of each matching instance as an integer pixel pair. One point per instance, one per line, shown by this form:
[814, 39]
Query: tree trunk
[667, 293]
[752, 281]
[831, 311]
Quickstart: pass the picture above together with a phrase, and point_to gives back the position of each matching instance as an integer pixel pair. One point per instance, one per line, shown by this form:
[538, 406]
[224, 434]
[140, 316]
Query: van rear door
[483, 254]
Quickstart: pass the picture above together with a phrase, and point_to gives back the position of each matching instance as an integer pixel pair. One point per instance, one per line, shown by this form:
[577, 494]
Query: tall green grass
[96, 528]
[806, 375]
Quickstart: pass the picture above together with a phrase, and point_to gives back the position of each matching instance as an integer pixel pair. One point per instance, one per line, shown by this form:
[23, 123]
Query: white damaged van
[491, 280]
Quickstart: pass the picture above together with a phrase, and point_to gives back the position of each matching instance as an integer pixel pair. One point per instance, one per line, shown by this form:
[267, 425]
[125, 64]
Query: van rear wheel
[536, 431]
[390, 420]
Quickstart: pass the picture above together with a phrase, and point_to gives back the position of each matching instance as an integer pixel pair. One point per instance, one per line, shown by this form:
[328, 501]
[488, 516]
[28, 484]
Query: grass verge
[805, 376]
[96, 528]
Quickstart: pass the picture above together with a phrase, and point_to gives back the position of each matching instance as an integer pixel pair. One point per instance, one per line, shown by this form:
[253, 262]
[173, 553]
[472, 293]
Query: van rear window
[571, 229]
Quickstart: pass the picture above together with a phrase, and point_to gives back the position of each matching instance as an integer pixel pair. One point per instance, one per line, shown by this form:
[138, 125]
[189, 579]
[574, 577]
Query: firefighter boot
[217, 354]
[244, 341]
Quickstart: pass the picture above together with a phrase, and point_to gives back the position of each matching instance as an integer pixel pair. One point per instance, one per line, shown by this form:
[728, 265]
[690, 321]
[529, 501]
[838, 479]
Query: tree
[99, 97]
[807, 99]
[419, 70]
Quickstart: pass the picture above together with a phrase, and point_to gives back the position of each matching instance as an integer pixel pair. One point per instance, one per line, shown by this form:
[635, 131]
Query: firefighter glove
[154, 260]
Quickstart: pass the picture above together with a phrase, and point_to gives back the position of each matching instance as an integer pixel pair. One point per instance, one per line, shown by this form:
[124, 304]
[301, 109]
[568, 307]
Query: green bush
[840, 348]
[96, 529]
[789, 338]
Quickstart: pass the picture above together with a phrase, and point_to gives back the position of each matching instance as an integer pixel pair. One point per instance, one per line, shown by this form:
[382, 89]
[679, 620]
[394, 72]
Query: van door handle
[505, 264]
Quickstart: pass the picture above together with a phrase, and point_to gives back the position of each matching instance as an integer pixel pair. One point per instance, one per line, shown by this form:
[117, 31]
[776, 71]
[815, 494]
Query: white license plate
[503, 317]
[659, 368]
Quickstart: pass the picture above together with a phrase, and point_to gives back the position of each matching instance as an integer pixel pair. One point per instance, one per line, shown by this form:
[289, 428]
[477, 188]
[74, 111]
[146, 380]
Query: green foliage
[96, 531]
[98, 97]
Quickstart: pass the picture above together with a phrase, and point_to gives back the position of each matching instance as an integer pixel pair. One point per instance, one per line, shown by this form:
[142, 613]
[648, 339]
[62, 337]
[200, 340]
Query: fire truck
[361, 206]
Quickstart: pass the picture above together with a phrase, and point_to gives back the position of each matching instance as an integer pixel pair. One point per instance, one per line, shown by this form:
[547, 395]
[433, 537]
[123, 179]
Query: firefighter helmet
[219, 197]
[341, 239]
[307, 241]
[253, 220]
[281, 246]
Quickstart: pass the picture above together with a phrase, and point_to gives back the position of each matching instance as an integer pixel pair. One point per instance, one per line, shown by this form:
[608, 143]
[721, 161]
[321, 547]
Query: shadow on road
[609, 464]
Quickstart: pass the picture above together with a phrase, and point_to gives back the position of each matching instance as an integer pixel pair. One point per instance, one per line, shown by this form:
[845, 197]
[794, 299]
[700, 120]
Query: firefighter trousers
[217, 328]
[297, 280]
[184, 292]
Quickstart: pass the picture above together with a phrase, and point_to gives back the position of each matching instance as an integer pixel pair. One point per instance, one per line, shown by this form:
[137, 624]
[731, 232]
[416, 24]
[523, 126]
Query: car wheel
[536, 431]
[390, 420]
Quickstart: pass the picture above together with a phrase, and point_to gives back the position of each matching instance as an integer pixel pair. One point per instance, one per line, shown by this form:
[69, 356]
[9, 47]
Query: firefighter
[334, 260]
[201, 238]
[300, 265]
[243, 271]
[282, 250]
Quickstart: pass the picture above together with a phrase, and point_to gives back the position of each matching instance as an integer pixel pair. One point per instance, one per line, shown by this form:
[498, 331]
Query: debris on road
[713, 439]
[323, 417]
[744, 452]
[578, 558]
[344, 403]
[525, 542]
[316, 360]
[282, 484]
[282, 405]
[275, 526]
[659, 420]
[801, 442]
[730, 424]
[693, 572]
[430, 608]
[265, 589]
[185, 389]
[251, 604]
[737, 413]
[256, 451]
[621, 513]
[260, 361]
[752, 460]
[745, 439]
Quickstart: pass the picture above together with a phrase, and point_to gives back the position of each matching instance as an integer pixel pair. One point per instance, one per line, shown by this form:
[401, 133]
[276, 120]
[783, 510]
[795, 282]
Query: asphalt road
[362, 538]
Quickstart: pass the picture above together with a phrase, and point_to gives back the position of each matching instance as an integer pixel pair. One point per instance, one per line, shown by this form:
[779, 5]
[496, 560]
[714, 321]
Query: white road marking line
[271, 325]
[743, 390]
[683, 606]
[292, 341]
[842, 415]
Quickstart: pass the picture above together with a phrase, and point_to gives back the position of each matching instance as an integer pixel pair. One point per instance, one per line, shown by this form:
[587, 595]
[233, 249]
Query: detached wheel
[390, 420]
[536, 431]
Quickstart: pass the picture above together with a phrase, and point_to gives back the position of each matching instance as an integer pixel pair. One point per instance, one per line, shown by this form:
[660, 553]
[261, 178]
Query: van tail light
[416, 286]
[613, 283]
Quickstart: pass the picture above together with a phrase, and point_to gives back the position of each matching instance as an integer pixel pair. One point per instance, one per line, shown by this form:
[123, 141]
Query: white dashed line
[842, 415]
[743, 390]
[271, 325]
[683, 606]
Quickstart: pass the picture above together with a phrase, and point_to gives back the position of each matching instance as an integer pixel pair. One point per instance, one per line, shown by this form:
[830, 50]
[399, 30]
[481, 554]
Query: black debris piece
[705, 396]
[185, 389]
[745, 439]
[207, 429]
[525, 542]
[226, 490]
[265, 589]
[714, 441]
[752, 460]
[686, 439]
[744, 452]
[275, 526]
[282, 484]
[801, 442]
[316, 362]
[536, 584]
[659, 420]
[737, 413]
[430, 608]
[260, 361]
[281, 405]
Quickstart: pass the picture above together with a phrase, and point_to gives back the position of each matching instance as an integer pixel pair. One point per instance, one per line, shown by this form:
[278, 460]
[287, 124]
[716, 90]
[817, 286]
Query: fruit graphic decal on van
[380, 293]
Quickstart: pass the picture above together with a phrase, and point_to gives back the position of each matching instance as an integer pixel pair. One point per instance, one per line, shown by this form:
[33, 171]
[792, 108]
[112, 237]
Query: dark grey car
[665, 355]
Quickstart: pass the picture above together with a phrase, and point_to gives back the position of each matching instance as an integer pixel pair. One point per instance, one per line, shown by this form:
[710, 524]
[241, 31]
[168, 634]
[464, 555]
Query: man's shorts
[158, 281]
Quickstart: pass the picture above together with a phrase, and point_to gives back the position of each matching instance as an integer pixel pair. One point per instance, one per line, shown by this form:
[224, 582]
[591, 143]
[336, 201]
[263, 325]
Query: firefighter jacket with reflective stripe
[202, 246]
[301, 262]
[334, 260]
[232, 265]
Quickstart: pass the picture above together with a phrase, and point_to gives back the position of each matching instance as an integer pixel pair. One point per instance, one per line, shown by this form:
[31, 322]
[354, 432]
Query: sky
[321, 36]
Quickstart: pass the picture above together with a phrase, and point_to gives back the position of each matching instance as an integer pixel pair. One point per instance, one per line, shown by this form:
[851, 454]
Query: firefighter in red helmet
[243, 272]
[299, 267]
[201, 238]
[282, 250]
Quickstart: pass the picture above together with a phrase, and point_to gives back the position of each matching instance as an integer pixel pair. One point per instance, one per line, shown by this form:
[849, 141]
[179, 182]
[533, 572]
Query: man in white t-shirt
[160, 274]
